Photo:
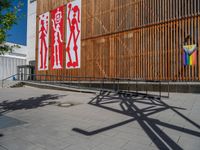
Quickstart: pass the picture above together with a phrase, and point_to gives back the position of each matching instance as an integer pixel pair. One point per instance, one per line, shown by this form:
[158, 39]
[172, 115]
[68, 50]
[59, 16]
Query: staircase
[11, 84]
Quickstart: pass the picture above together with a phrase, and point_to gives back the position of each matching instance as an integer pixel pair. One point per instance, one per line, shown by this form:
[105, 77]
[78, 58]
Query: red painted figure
[43, 34]
[57, 21]
[74, 28]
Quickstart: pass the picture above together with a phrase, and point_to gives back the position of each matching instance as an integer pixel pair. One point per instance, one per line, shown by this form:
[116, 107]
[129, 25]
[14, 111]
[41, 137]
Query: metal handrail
[7, 79]
[55, 79]
[97, 78]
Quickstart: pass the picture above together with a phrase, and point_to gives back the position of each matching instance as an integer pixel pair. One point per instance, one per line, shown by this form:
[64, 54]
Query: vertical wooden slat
[195, 30]
[174, 51]
[198, 47]
[189, 42]
[156, 65]
[182, 43]
[171, 43]
[177, 49]
[192, 33]
[135, 54]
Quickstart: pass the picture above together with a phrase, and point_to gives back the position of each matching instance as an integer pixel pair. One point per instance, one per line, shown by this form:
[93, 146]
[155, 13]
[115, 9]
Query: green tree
[8, 17]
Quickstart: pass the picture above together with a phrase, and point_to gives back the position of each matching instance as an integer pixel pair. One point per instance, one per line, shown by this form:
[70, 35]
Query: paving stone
[6, 122]
[77, 147]
[115, 142]
[137, 146]
[189, 143]
[135, 138]
[19, 144]
[3, 148]
[106, 147]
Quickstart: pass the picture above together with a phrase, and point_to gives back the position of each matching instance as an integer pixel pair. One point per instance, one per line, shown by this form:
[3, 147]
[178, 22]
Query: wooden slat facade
[140, 39]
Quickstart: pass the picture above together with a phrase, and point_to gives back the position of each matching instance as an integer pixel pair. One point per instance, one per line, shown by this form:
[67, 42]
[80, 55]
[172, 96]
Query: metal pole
[146, 87]
[136, 87]
[78, 82]
[168, 89]
[113, 82]
[128, 85]
[160, 89]
[118, 86]
[103, 84]
[90, 82]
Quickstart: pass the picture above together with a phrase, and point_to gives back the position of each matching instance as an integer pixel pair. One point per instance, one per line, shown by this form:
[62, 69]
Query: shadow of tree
[31, 103]
[129, 104]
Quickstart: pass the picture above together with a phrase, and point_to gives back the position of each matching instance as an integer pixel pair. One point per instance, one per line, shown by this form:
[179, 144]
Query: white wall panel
[8, 66]
[31, 31]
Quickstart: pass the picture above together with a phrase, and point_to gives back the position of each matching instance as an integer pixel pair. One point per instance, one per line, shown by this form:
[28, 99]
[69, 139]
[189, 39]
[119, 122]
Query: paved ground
[37, 119]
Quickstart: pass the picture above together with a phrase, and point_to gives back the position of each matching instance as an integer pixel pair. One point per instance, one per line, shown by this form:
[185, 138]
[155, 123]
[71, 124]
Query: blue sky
[18, 33]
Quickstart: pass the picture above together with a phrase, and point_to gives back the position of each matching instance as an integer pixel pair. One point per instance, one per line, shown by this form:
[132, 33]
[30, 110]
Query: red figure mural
[43, 41]
[73, 34]
[57, 35]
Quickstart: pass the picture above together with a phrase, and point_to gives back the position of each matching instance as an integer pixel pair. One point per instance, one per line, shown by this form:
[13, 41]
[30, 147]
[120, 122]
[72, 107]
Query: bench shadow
[30, 103]
[129, 106]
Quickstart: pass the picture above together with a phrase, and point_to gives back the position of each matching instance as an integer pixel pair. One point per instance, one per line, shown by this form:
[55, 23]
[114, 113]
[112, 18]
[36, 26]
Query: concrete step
[11, 84]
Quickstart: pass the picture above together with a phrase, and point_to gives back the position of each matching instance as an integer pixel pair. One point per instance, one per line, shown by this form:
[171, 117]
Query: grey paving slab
[9, 122]
[19, 144]
[32, 119]
[2, 147]
[132, 145]
[189, 143]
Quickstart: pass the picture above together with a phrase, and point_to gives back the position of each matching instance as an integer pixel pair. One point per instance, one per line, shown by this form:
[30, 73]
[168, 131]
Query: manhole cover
[67, 104]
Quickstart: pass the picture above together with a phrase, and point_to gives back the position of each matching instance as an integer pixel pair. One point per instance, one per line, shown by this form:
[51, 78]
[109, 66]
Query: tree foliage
[8, 17]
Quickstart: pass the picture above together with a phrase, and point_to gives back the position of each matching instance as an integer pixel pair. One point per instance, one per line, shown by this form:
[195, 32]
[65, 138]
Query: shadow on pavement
[31, 103]
[129, 106]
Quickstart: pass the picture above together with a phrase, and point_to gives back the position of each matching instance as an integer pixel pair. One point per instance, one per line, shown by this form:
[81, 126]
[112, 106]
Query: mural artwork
[73, 40]
[190, 55]
[43, 41]
[57, 36]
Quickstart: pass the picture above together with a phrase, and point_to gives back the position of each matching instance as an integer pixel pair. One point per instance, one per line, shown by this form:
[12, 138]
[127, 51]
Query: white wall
[21, 50]
[8, 65]
[31, 30]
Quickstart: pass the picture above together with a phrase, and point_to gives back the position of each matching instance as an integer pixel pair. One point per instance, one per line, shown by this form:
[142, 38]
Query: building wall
[29, 49]
[140, 39]
[8, 65]
[24, 54]
[31, 30]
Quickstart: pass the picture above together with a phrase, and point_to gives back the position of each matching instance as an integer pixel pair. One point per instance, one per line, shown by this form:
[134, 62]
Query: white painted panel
[43, 41]
[8, 66]
[73, 40]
